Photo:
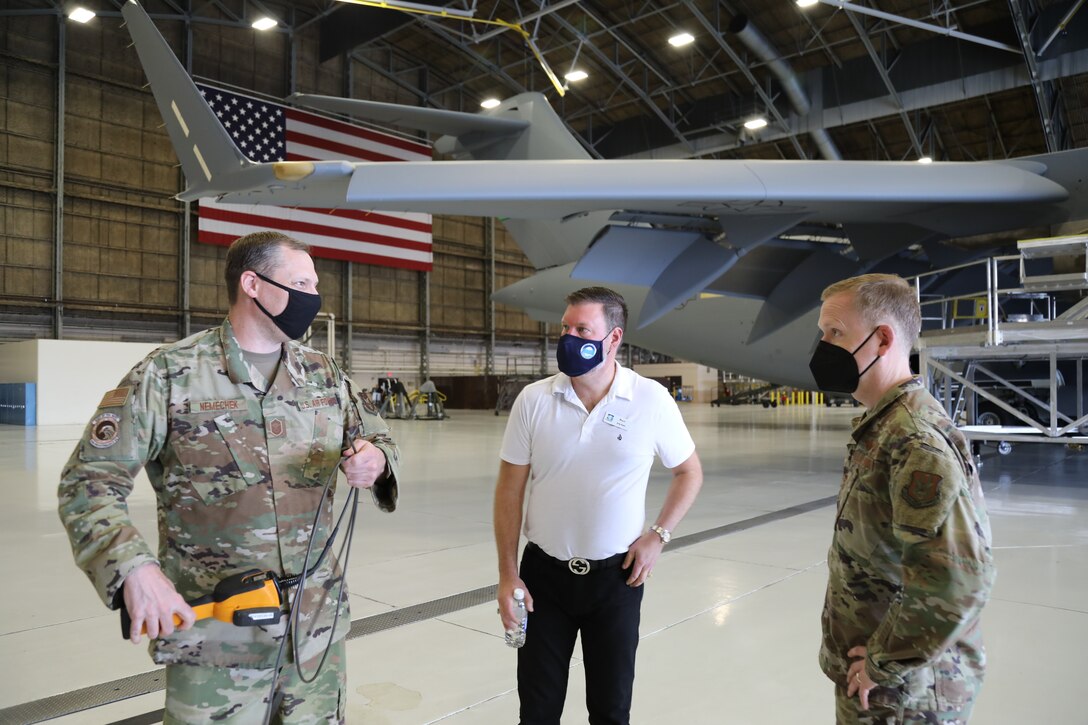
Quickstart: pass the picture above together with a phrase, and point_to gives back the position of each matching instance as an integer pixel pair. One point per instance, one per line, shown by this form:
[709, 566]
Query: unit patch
[922, 491]
[105, 430]
[276, 427]
[324, 402]
[115, 398]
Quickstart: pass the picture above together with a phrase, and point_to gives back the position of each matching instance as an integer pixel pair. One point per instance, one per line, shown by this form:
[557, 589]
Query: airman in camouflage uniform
[910, 566]
[238, 463]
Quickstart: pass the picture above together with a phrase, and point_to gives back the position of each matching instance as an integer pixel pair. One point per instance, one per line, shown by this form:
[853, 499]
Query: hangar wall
[103, 251]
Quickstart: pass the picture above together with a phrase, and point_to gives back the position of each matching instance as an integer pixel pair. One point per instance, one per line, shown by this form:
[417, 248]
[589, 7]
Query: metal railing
[956, 388]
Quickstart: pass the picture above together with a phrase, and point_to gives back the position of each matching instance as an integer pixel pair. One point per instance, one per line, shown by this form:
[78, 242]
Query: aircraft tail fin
[432, 120]
[202, 144]
[521, 128]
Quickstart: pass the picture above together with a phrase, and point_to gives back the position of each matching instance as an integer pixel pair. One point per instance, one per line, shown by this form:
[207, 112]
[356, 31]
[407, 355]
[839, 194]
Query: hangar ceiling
[895, 79]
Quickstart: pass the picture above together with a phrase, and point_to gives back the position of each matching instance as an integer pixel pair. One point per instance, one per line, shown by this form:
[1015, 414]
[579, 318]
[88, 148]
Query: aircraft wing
[678, 226]
[814, 190]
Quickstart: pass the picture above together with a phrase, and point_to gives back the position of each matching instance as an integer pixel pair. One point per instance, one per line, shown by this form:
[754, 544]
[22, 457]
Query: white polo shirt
[589, 470]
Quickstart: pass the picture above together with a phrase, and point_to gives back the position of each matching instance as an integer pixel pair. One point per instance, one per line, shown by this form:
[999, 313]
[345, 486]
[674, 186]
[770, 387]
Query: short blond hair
[883, 299]
[257, 252]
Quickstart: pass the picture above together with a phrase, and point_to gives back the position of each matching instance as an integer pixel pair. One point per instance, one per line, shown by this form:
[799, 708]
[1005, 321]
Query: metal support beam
[1060, 27]
[58, 185]
[543, 349]
[743, 66]
[185, 319]
[639, 52]
[544, 11]
[1047, 99]
[863, 35]
[292, 64]
[489, 291]
[425, 334]
[939, 29]
[632, 85]
[349, 316]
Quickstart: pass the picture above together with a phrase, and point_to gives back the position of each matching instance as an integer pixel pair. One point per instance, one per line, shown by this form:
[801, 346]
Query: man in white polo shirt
[584, 440]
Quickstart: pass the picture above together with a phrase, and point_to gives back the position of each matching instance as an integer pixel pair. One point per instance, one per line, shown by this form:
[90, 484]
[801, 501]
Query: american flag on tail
[266, 131]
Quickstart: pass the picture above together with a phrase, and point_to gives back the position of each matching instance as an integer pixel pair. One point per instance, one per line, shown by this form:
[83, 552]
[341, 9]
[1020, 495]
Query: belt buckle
[578, 566]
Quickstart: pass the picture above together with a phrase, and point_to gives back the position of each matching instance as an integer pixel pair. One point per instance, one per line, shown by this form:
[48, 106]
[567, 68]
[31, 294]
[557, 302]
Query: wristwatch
[665, 534]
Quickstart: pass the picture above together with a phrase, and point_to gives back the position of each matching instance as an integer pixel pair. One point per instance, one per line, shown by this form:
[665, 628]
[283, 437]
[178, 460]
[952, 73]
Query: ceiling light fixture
[576, 75]
[681, 39]
[489, 102]
[754, 124]
[807, 3]
[264, 23]
[81, 15]
[925, 160]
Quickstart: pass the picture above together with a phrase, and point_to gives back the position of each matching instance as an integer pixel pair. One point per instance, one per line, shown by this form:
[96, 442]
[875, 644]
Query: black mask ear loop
[855, 352]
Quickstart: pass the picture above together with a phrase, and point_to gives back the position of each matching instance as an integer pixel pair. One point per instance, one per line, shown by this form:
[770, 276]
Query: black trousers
[606, 611]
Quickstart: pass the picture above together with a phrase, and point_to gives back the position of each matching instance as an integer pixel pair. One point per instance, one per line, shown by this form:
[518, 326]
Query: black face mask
[576, 356]
[835, 369]
[302, 308]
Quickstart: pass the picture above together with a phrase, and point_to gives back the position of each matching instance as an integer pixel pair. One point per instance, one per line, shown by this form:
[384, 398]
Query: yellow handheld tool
[249, 599]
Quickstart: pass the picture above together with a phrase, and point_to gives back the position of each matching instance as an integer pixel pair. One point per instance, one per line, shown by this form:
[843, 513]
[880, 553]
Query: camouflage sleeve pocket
[219, 456]
[924, 487]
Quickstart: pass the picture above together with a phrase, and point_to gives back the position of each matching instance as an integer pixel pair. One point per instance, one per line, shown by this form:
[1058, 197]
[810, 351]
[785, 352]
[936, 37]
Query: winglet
[203, 146]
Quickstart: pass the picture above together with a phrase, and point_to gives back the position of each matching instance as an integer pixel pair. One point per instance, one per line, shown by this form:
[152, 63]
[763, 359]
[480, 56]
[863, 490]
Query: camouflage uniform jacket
[910, 567]
[237, 475]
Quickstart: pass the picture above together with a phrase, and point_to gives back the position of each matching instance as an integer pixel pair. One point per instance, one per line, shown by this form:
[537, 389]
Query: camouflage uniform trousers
[886, 707]
[239, 696]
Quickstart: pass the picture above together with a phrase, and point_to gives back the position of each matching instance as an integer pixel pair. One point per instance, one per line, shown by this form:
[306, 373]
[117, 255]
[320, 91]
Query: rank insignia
[922, 491]
[277, 427]
[105, 430]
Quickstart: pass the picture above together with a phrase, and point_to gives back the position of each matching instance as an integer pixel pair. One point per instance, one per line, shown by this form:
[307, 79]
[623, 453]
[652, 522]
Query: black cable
[342, 560]
[300, 579]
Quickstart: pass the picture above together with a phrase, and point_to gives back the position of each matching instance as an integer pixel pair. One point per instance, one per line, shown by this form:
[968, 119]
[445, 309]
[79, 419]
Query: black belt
[578, 565]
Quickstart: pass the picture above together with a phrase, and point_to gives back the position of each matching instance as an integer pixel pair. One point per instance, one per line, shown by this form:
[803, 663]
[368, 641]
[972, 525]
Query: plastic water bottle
[516, 637]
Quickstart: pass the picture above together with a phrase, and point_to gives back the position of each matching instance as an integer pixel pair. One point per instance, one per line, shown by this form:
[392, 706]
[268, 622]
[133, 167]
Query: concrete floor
[730, 625]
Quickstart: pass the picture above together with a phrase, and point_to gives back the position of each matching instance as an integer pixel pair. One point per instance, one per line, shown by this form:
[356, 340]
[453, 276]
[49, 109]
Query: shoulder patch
[105, 430]
[923, 489]
[115, 398]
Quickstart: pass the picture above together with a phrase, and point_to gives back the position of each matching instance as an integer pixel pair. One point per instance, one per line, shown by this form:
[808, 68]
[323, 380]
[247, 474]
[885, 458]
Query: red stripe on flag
[347, 128]
[225, 240]
[374, 218]
[263, 222]
[294, 137]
